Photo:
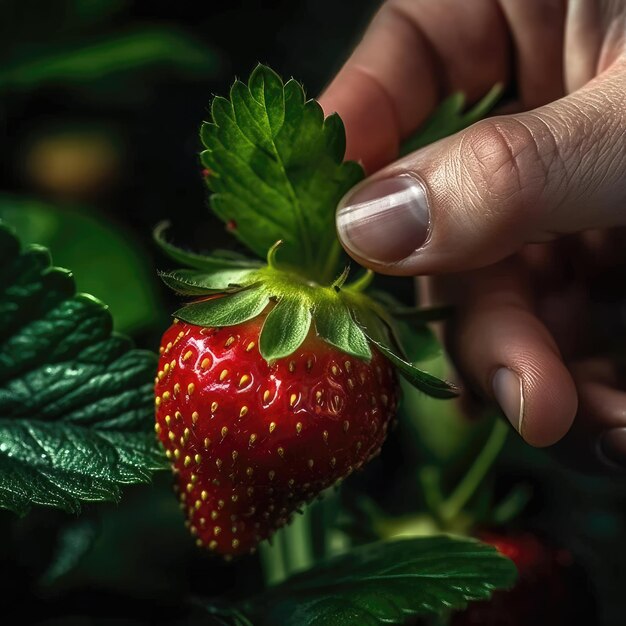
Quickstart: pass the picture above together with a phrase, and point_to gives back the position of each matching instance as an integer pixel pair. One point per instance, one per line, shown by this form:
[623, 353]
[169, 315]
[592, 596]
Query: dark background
[134, 563]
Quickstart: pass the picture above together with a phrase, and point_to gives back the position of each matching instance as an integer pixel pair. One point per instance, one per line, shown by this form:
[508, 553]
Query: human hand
[520, 212]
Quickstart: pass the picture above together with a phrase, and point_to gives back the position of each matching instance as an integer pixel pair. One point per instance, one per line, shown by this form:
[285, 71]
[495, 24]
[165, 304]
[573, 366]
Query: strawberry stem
[272, 562]
[466, 488]
[330, 265]
[296, 540]
[271, 254]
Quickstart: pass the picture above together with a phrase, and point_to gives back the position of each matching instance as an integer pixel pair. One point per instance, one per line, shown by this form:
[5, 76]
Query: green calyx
[294, 304]
[339, 312]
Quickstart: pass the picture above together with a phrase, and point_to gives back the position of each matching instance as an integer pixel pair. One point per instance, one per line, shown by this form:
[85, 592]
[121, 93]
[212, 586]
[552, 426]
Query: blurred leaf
[384, 583]
[419, 343]
[92, 10]
[74, 542]
[104, 259]
[93, 61]
[449, 118]
[76, 401]
[223, 614]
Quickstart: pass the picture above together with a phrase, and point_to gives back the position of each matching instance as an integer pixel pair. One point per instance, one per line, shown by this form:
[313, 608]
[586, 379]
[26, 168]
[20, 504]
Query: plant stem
[297, 543]
[467, 487]
[272, 562]
[328, 270]
[429, 480]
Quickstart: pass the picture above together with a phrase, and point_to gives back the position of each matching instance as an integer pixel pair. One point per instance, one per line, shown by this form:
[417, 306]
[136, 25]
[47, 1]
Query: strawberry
[279, 380]
[548, 591]
[250, 443]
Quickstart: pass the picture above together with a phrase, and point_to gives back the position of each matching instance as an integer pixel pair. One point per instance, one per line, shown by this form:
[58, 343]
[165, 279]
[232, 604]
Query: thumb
[474, 198]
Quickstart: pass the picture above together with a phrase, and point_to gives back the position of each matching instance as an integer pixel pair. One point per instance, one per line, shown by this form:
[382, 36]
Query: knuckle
[506, 165]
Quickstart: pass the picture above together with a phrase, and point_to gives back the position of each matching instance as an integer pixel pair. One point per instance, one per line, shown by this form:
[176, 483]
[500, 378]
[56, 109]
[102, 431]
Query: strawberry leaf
[449, 118]
[75, 399]
[277, 172]
[383, 583]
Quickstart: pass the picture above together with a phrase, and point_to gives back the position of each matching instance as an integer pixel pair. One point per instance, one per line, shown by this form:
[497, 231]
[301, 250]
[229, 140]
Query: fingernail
[612, 447]
[385, 220]
[508, 390]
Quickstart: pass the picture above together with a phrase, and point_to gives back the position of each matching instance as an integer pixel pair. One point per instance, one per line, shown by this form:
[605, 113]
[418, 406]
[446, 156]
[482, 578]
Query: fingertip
[550, 401]
[501, 344]
[372, 133]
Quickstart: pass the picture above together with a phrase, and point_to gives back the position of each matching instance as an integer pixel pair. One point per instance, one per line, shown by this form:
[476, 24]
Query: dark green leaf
[335, 324]
[285, 328]
[384, 583]
[419, 379]
[76, 402]
[277, 170]
[449, 118]
[93, 60]
[195, 283]
[226, 310]
[106, 260]
[225, 260]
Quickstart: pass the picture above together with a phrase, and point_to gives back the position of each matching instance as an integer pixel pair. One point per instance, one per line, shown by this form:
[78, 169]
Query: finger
[500, 344]
[413, 53]
[538, 30]
[417, 51]
[478, 196]
[598, 439]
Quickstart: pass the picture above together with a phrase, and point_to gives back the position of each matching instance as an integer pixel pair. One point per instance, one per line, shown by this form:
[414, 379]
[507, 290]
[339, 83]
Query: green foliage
[277, 171]
[75, 399]
[334, 323]
[450, 118]
[383, 583]
[91, 61]
[106, 260]
[419, 379]
[285, 328]
[218, 260]
[194, 283]
[226, 311]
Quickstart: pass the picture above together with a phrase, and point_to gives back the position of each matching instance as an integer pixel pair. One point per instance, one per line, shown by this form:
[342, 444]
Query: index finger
[413, 53]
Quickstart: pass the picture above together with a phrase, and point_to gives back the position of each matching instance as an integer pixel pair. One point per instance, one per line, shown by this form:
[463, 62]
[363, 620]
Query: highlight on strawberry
[278, 378]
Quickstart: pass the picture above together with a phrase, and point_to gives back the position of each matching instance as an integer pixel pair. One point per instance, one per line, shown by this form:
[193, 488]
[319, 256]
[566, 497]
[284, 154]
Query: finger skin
[538, 30]
[602, 408]
[414, 53]
[497, 328]
[511, 180]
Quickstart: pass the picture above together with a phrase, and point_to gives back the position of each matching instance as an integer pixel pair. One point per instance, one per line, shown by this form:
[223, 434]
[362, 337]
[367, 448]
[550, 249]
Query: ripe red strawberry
[279, 380]
[548, 590]
[251, 442]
